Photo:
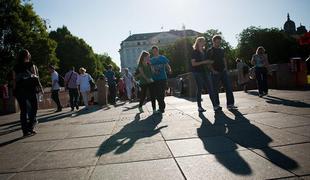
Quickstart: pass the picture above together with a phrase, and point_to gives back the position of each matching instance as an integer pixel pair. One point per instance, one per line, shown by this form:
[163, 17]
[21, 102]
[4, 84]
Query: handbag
[252, 73]
[34, 80]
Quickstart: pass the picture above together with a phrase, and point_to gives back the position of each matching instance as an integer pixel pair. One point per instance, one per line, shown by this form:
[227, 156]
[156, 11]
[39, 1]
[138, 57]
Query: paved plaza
[267, 138]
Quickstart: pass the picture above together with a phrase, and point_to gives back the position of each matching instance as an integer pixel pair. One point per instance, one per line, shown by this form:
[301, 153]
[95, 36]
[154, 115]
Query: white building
[134, 44]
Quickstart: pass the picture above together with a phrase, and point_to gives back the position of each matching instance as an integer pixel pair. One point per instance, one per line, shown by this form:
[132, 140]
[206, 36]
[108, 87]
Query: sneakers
[231, 107]
[200, 109]
[141, 110]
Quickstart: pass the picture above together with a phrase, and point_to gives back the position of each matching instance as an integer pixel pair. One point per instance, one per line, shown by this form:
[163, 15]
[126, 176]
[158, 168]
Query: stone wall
[282, 77]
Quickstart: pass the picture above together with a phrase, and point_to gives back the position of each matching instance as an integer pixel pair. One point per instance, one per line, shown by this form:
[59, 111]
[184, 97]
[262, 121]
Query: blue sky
[103, 24]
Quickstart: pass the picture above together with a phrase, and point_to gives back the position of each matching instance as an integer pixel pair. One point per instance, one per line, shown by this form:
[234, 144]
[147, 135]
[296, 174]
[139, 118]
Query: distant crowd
[208, 66]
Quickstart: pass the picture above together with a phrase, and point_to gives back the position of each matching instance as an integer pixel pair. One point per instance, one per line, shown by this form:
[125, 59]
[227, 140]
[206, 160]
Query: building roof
[146, 36]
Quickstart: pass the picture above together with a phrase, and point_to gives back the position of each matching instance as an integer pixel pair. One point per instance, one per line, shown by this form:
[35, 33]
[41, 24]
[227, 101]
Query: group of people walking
[208, 65]
[209, 68]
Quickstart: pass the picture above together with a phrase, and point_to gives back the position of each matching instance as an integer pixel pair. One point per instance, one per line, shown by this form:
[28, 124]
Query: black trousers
[143, 92]
[74, 97]
[112, 93]
[28, 106]
[55, 97]
[262, 81]
[160, 89]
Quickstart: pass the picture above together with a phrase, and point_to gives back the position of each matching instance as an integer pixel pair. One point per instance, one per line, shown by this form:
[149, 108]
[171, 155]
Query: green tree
[279, 46]
[75, 52]
[179, 54]
[21, 28]
[229, 51]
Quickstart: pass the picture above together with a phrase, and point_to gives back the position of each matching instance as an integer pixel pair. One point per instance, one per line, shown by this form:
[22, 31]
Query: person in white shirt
[84, 85]
[55, 87]
[129, 81]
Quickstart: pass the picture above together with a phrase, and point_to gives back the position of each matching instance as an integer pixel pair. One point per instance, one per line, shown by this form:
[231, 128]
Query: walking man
[110, 75]
[55, 87]
[71, 86]
[159, 64]
[219, 74]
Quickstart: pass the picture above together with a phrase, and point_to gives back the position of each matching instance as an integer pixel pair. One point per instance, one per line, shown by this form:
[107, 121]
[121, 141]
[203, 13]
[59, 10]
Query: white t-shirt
[83, 81]
[55, 78]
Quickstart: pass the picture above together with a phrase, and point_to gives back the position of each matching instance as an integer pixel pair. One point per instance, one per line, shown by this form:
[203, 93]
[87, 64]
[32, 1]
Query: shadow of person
[286, 102]
[130, 108]
[125, 139]
[58, 116]
[231, 159]
[252, 137]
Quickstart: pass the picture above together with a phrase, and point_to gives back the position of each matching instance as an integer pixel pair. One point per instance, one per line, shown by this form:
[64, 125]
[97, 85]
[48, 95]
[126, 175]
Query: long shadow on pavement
[281, 101]
[242, 132]
[57, 116]
[235, 163]
[125, 139]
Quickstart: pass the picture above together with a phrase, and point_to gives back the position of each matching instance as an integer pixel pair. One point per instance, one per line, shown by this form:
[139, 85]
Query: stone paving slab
[265, 139]
[6, 176]
[128, 152]
[92, 130]
[206, 145]
[281, 120]
[16, 162]
[151, 170]
[47, 137]
[304, 130]
[295, 158]
[58, 174]
[78, 143]
[64, 159]
[230, 165]
[27, 147]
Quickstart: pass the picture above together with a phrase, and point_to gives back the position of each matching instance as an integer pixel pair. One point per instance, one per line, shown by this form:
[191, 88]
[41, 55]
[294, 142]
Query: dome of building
[289, 26]
[301, 29]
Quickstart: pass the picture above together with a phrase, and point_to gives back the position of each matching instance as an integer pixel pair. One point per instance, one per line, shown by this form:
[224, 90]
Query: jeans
[160, 89]
[27, 102]
[55, 97]
[261, 78]
[74, 97]
[144, 89]
[204, 81]
[222, 77]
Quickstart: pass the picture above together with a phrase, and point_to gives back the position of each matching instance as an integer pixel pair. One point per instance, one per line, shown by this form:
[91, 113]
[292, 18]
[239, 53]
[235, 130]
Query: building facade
[132, 46]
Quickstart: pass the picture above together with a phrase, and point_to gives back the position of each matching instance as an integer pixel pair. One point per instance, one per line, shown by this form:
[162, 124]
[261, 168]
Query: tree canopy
[22, 28]
[279, 45]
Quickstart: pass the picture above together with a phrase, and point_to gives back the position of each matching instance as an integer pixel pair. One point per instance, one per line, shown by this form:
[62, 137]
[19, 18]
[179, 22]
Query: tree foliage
[179, 53]
[21, 28]
[229, 51]
[75, 52]
[279, 46]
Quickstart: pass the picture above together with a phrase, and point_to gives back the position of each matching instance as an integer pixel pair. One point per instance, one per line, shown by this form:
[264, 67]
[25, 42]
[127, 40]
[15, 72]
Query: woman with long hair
[145, 79]
[201, 71]
[261, 63]
[25, 83]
